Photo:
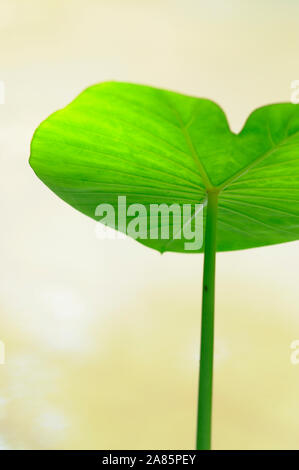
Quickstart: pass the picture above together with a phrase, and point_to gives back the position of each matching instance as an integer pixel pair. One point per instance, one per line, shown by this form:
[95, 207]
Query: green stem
[204, 418]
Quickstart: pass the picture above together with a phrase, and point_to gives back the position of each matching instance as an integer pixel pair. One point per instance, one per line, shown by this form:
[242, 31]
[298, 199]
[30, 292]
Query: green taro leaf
[156, 146]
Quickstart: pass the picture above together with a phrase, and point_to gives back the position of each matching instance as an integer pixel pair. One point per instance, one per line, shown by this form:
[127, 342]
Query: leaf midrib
[205, 177]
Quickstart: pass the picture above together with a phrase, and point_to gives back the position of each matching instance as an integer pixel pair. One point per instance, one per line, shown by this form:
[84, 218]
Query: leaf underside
[156, 146]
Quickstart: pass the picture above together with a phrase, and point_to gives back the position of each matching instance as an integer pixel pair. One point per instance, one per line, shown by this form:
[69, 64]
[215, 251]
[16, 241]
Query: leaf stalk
[205, 388]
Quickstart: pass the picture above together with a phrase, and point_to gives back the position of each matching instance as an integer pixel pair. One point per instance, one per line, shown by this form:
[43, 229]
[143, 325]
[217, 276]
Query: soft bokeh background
[102, 337]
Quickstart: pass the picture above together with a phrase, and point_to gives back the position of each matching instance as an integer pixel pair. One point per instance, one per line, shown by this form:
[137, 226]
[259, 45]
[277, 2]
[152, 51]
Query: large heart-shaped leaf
[156, 146]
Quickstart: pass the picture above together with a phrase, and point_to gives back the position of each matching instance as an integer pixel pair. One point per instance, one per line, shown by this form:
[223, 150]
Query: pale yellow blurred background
[102, 337]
